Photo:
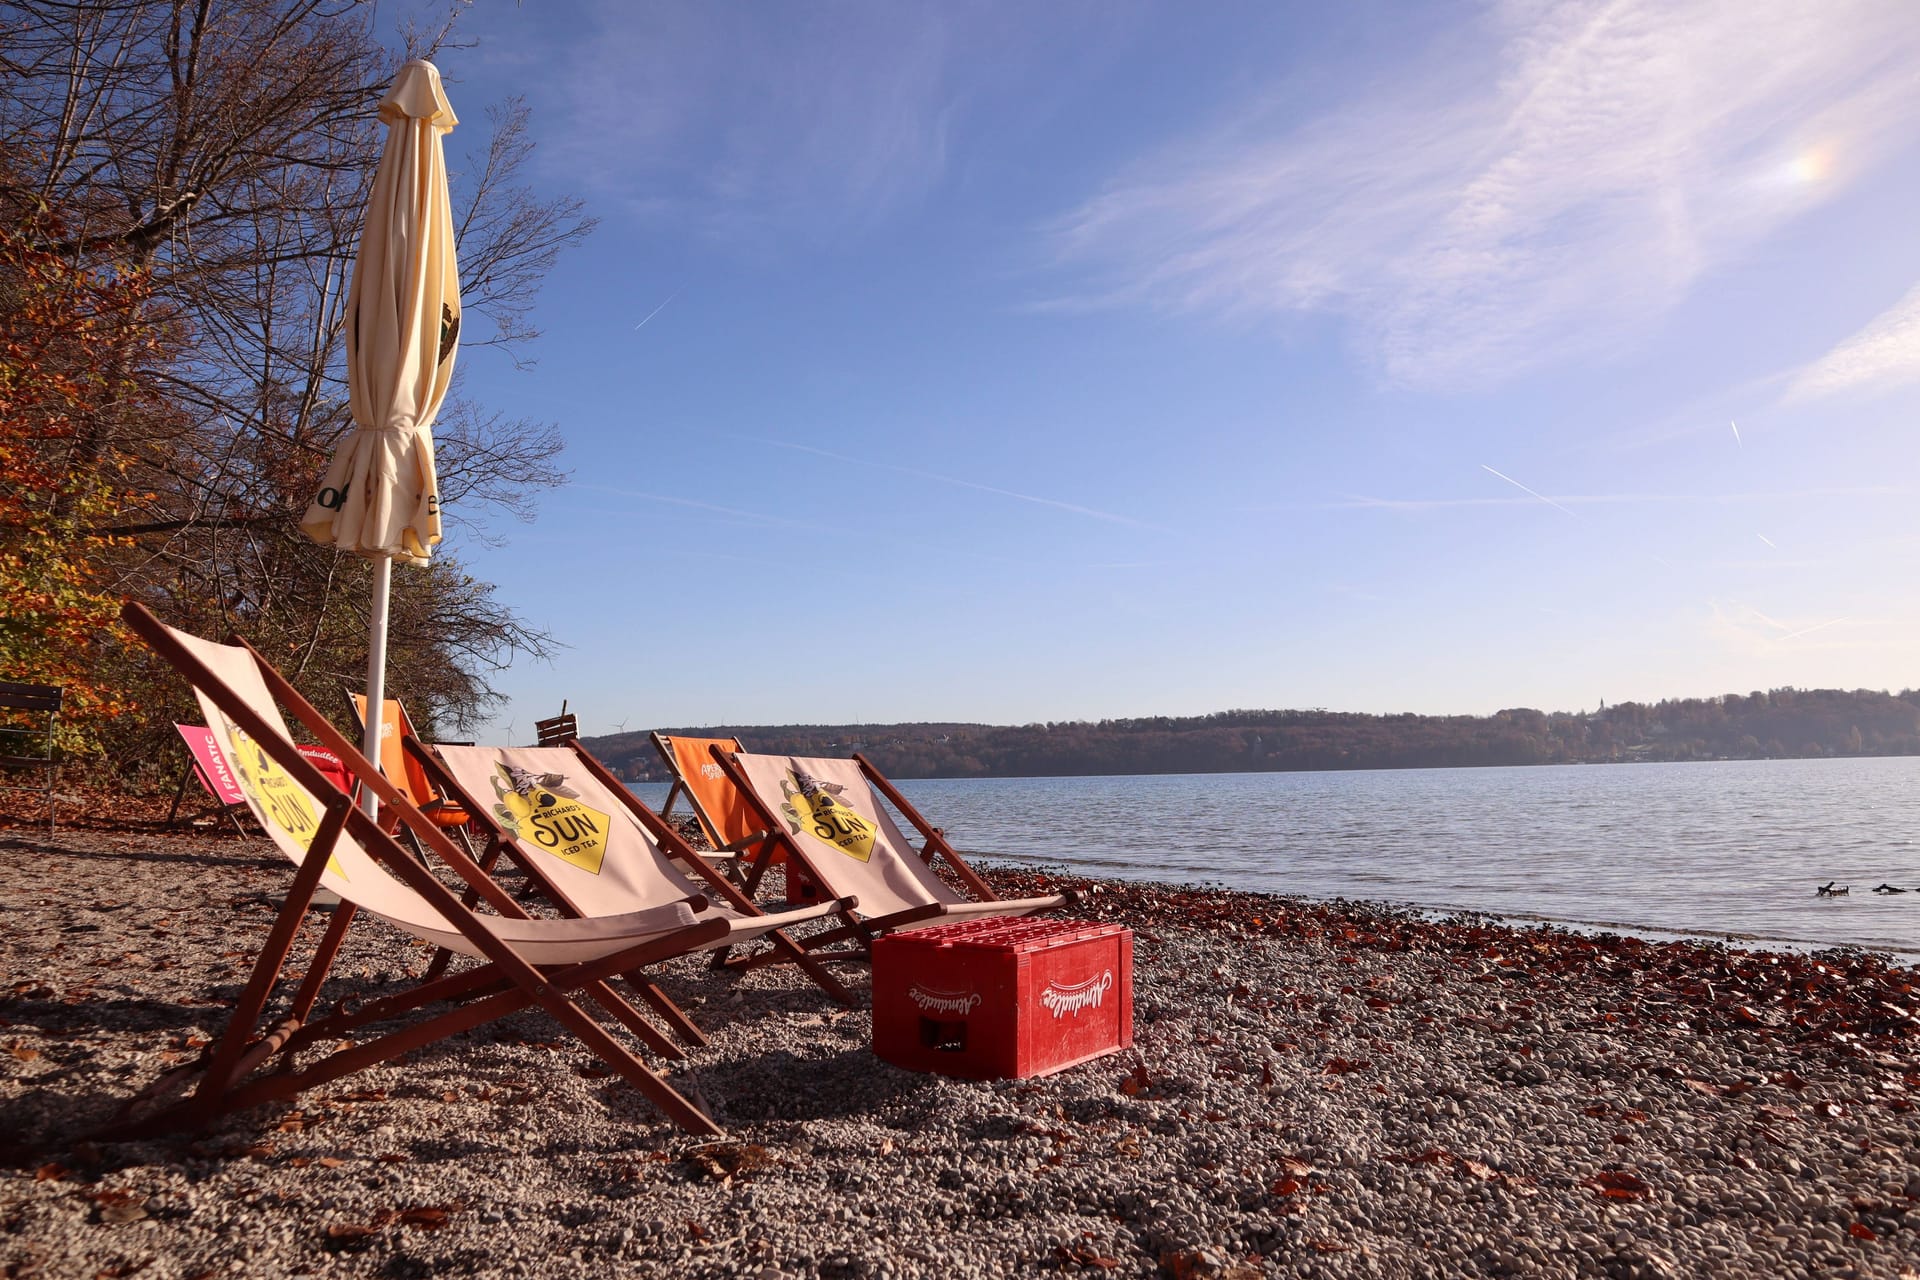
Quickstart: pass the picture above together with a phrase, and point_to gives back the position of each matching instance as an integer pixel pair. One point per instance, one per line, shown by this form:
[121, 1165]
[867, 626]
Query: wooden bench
[27, 736]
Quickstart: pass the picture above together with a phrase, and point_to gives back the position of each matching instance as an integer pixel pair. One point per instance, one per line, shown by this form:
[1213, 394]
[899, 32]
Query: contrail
[1736, 434]
[1807, 631]
[1764, 538]
[1075, 508]
[657, 310]
[1522, 488]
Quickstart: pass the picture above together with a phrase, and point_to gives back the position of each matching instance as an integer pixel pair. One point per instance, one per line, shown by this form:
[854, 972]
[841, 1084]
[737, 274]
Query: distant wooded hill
[1782, 723]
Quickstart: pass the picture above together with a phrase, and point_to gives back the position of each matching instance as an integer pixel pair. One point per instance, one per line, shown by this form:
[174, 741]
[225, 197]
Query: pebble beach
[1315, 1090]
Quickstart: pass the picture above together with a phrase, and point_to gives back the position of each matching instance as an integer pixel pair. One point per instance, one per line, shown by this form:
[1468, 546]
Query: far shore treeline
[1779, 724]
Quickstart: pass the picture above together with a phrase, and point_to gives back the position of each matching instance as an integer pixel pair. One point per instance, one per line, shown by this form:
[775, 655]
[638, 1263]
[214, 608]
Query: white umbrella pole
[376, 673]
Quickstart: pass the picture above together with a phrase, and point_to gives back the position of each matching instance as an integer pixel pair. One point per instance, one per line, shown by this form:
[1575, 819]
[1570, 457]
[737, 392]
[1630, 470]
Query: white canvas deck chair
[555, 964]
[593, 848]
[827, 816]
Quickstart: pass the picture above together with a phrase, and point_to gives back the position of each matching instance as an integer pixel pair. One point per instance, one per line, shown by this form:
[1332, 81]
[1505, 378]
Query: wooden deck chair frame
[782, 946]
[557, 731]
[439, 808]
[504, 982]
[861, 930]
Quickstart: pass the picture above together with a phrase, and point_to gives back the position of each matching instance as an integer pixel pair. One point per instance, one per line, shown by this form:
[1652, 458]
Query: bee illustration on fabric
[543, 809]
[275, 796]
[814, 806]
[523, 794]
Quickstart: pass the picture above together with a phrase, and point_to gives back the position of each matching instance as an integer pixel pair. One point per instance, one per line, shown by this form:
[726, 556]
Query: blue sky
[1011, 362]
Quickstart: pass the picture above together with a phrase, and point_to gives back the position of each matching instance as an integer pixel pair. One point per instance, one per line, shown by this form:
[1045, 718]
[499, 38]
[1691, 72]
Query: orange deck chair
[403, 768]
[591, 847]
[558, 965]
[730, 824]
[827, 816]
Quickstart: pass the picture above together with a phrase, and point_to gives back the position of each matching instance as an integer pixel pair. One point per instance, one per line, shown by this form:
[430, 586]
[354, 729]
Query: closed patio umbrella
[379, 497]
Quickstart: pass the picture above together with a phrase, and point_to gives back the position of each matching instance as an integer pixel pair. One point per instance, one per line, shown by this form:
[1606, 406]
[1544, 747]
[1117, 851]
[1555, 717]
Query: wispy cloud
[801, 117]
[694, 504]
[1886, 353]
[957, 482]
[1564, 500]
[1593, 159]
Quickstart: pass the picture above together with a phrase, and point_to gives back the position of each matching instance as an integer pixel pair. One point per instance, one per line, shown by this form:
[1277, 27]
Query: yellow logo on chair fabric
[276, 797]
[816, 806]
[538, 807]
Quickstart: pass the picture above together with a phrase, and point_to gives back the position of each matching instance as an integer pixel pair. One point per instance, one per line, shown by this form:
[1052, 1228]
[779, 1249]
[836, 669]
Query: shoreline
[1899, 957]
[1316, 1089]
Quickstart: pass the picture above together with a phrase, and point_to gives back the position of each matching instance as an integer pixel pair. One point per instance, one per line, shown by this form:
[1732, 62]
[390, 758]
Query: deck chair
[205, 763]
[557, 731]
[726, 819]
[403, 767]
[28, 716]
[828, 818]
[558, 965]
[592, 847]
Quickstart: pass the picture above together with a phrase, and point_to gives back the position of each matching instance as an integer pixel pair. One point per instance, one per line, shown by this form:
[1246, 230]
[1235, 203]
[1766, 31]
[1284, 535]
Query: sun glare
[1811, 165]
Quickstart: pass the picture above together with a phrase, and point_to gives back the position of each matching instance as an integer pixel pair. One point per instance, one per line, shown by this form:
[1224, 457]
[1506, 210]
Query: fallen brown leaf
[1617, 1184]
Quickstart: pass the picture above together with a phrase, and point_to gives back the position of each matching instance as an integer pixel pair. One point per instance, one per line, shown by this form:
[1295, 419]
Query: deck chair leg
[787, 948]
[273, 956]
[633, 1020]
[180, 792]
[284, 1085]
[652, 1087]
[670, 1013]
[441, 956]
[749, 886]
[322, 963]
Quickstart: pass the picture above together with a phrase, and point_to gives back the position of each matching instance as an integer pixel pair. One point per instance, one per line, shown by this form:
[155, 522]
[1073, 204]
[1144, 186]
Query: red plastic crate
[996, 998]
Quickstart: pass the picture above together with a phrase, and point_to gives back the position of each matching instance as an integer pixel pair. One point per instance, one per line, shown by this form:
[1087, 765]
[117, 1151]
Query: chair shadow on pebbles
[239, 859]
[41, 1126]
[779, 1084]
[120, 1015]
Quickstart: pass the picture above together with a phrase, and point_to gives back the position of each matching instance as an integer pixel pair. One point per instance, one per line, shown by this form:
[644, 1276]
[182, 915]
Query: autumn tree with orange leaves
[181, 190]
[71, 343]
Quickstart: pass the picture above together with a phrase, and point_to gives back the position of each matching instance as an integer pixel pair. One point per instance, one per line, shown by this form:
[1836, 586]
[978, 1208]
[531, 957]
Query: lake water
[1730, 848]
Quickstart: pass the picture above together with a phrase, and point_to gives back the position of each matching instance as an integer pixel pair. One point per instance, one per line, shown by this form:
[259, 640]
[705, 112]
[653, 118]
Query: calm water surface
[1732, 847]
[1713, 849]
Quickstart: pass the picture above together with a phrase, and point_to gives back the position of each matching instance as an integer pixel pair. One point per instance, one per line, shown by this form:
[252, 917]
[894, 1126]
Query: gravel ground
[1316, 1090]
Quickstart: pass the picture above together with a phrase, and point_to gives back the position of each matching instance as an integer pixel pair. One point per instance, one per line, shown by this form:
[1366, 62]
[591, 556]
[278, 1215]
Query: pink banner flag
[215, 776]
[218, 779]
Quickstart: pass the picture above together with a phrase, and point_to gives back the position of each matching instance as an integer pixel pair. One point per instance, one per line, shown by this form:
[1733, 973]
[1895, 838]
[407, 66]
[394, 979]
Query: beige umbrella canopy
[380, 497]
